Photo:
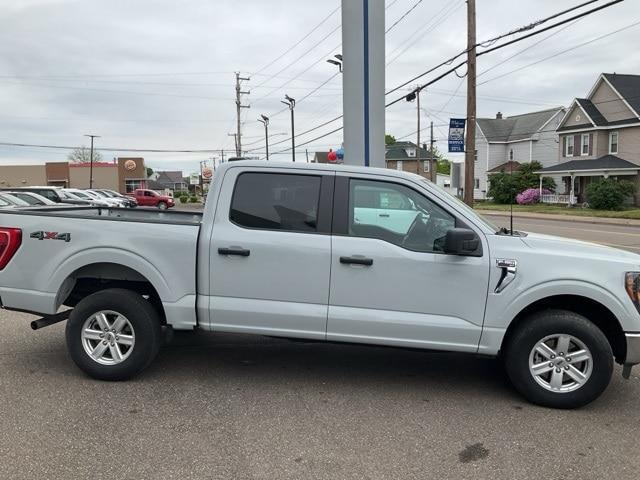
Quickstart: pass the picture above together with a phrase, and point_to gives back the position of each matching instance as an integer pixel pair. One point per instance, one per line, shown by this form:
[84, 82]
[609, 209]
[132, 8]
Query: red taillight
[10, 241]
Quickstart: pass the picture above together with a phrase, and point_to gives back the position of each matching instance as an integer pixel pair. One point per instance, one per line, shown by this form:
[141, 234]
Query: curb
[561, 217]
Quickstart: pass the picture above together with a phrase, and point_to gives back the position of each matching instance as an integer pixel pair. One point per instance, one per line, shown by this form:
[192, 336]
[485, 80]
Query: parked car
[93, 199]
[5, 204]
[52, 193]
[129, 201]
[70, 198]
[13, 200]
[290, 250]
[32, 199]
[114, 202]
[149, 198]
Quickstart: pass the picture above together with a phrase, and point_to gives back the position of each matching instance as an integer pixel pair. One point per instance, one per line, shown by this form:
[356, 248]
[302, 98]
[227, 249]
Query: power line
[320, 24]
[403, 16]
[635, 24]
[519, 39]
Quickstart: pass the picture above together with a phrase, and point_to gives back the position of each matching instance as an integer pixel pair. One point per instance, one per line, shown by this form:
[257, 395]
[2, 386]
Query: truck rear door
[271, 252]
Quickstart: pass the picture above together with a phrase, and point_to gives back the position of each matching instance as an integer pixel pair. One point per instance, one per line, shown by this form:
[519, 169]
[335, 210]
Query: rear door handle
[384, 215]
[241, 252]
[356, 261]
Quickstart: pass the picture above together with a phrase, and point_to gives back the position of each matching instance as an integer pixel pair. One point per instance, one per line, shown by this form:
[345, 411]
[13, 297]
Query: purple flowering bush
[531, 195]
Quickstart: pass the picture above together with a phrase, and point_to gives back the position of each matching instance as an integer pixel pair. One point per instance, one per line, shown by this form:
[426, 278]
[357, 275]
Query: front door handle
[383, 215]
[356, 261]
[241, 252]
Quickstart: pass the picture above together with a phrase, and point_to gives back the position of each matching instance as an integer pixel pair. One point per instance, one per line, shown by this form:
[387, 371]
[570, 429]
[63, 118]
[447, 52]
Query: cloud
[160, 74]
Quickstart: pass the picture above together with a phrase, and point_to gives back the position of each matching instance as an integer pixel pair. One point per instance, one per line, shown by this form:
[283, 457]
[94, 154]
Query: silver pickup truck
[330, 253]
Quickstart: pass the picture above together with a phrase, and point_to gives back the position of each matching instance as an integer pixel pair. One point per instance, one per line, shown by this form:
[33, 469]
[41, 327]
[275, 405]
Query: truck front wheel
[113, 334]
[559, 359]
[162, 205]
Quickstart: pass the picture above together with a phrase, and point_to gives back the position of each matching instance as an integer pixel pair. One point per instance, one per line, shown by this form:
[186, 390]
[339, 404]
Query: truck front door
[391, 282]
[270, 252]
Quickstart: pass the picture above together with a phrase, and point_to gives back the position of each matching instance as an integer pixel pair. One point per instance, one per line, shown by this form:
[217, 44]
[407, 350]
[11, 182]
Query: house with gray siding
[599, 137]
[503, 142]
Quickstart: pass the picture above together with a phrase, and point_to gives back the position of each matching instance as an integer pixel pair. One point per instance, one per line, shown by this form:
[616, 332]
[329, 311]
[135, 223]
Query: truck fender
[108, 255]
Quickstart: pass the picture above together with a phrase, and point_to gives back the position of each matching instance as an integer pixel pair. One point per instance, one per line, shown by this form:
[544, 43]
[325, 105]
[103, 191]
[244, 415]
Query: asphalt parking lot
[232, 406]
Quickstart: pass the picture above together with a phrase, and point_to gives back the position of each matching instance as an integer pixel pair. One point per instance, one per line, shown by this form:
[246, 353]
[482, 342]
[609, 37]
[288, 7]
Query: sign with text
[456, 135]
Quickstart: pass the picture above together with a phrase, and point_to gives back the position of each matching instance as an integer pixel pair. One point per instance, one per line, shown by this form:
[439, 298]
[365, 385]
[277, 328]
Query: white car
[115, 202]
[93, 198]
[33, 199]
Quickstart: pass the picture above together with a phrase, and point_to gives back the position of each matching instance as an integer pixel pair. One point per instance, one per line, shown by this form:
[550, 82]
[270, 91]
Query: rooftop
[517, 127]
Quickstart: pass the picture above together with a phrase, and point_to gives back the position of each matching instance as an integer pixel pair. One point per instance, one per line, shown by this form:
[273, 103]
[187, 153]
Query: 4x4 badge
[51, 236]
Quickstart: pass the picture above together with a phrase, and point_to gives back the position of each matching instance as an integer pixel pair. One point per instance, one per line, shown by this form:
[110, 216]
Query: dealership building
[123, 175]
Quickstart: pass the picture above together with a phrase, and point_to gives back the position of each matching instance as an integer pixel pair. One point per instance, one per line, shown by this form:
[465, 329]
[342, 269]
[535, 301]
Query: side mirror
[462, 241]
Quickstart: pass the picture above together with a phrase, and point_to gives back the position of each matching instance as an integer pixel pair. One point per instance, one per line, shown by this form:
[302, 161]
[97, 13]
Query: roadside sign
[456, 135]
[194, 179]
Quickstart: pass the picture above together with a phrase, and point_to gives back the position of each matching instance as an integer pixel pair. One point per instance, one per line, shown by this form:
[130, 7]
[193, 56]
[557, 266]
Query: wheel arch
[594, 311]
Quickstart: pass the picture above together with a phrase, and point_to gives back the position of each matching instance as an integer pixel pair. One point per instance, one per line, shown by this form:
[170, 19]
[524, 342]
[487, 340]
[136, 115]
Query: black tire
[162, 205]
[554, 322]
[143, 319]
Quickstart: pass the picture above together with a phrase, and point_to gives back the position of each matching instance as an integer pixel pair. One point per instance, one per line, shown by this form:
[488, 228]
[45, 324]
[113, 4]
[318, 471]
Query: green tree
[149, 171]
[389, 139]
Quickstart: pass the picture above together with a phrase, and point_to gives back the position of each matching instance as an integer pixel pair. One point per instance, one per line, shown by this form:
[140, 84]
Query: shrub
[193, 199]
[609, 193]
[503, 186]
[184, 199]
[531, 195]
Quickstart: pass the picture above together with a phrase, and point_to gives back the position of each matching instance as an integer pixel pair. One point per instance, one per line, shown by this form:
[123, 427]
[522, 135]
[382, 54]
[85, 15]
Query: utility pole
[235, 140]
[419, 144]
[433, 164]
[470, 147]
[291, 103]
[239, 106]
[91, 160]
[265, 121]
[221, 156]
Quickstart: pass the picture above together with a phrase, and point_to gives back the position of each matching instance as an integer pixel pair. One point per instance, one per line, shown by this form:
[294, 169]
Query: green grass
[631, 212]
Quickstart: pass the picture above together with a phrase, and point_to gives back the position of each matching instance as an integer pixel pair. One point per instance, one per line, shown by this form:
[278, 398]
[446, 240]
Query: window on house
[569, 146]
[399, 165]
[613, 142]
[131, 185]
[477, 183]
[427, 166]
[475, 155]
[585, 144]
[511, 155]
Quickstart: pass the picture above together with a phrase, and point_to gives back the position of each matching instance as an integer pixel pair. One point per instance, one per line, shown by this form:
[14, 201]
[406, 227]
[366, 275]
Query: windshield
[82, 195]
[14, 200]
[459, 203]
[31, 200]
[69, 195]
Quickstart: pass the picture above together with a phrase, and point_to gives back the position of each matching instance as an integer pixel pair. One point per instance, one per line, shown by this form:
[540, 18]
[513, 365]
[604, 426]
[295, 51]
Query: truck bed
[62, 245]
[117, 214]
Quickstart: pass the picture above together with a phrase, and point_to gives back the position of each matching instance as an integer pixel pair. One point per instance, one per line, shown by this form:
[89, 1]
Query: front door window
[397, 214]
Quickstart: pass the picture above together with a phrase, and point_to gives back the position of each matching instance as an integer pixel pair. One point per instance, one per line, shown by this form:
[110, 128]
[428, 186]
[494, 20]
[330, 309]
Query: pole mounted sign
[456, 135]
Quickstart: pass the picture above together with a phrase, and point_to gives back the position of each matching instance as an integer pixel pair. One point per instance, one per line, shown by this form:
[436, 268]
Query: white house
[517, 139]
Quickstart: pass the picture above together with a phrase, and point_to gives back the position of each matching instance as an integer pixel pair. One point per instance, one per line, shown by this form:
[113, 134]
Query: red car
[149, 198]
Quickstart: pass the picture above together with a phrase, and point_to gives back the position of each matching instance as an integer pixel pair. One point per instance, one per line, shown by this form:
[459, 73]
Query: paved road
[618, 236]
[231, 406]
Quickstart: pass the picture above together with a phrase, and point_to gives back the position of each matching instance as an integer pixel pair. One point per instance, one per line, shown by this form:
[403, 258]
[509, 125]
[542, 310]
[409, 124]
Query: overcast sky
[159, 74]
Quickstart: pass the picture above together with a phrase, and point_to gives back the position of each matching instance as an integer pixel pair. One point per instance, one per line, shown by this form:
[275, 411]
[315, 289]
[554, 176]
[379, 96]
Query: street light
[91, 160]
[291, 103]
[265, 121]
[415, 95]
[337, 62]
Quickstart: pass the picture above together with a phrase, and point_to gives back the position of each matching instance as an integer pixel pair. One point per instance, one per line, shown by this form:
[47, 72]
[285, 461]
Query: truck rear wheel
[559, 359]
[113, 334]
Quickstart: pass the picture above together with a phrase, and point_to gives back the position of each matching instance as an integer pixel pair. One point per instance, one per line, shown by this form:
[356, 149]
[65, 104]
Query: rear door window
[274, 201]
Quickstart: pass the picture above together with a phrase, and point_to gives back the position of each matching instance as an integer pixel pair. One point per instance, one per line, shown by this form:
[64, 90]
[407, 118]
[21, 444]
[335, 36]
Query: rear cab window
[275, 201]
